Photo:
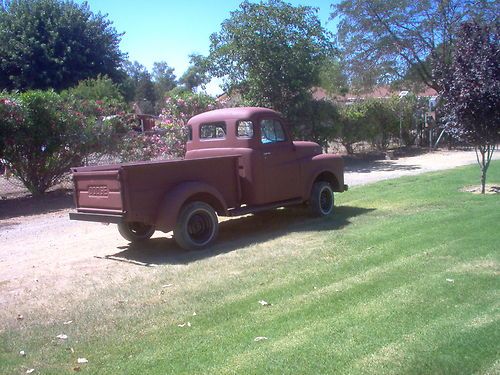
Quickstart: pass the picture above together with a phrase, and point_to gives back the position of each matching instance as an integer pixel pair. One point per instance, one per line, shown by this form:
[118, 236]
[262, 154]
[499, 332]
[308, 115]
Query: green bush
[352, 125]
[377, 121]
[382, 124]
[100, 88]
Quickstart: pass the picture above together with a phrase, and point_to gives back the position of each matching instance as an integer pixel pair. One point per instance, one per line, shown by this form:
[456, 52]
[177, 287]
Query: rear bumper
[99, 218]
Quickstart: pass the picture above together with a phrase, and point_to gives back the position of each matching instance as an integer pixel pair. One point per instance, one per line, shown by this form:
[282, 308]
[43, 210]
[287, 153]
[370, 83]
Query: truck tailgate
[98, 191]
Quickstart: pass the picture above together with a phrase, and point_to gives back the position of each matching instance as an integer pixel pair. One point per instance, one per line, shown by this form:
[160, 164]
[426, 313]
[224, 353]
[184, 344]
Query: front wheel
[321, 200]
[135, 231]
[197, 226]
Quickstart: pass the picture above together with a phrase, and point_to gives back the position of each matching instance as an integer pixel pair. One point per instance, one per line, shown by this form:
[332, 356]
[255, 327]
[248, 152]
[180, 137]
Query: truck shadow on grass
[236, 234]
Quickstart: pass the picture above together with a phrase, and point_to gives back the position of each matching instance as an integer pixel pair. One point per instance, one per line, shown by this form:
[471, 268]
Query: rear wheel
[135, 231]
[197, 226]
[321, 200]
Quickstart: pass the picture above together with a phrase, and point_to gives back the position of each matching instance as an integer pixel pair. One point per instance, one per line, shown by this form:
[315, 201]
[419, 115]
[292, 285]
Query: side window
[245, 129]
[213, 131]
[272, 131]
[190, 133]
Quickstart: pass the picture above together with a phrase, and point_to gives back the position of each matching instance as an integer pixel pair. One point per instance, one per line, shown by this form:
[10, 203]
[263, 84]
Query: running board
[265, 207]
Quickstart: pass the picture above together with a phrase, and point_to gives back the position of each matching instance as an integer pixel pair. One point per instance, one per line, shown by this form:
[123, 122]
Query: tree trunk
[486, 152]
[348, 147]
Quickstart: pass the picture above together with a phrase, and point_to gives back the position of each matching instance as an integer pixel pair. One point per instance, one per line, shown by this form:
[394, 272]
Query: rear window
[213, 131]
[245, 129]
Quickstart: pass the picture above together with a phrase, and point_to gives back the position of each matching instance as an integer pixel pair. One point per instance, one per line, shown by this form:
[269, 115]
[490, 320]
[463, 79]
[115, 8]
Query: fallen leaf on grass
[194, 313]
[260, 338]
[167, 285]
[450, 280]
[264, 303]
[68, 322]
[82, 360]
[30, 370]
[22, 353]
[184, 325]
[62, 336]
[76, 368]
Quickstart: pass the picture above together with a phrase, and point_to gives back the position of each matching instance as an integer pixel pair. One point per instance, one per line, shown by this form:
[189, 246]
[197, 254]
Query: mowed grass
[404, 279]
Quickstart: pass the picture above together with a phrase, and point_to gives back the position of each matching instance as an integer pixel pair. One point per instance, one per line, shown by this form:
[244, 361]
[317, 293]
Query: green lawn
[404, 279]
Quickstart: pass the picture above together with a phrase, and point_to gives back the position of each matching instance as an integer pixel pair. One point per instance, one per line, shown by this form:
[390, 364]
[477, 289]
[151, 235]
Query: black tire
[135, 231]
[197, 226]
[321, 200]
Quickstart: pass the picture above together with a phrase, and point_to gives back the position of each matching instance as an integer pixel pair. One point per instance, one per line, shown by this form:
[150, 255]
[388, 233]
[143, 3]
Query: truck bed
[133, 191]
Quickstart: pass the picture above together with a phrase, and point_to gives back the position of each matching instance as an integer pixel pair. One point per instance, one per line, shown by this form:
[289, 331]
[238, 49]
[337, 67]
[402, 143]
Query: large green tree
[54, 44]
[196, 74]
[138, 86]
[271, 52]
[163, 78]
[385, 40]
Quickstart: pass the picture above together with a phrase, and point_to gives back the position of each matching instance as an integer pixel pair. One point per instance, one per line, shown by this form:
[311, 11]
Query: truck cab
[272, 166]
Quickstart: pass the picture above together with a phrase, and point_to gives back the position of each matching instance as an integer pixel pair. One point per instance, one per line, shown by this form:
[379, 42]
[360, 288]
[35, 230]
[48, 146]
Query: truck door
[279, 169]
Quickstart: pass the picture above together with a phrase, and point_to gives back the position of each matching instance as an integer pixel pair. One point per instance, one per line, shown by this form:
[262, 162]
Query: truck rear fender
[183, 193]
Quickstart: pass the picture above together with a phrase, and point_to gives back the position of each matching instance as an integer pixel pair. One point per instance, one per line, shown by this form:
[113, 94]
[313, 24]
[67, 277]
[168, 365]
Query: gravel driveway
[45, 258]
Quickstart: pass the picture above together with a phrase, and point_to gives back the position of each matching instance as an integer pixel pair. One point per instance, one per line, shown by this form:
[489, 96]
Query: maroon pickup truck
[238, 161]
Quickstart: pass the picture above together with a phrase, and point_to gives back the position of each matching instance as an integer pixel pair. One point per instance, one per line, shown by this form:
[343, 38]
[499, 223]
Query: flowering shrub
[42, 135]
[180, 107]
[168, 138]
[164, 142]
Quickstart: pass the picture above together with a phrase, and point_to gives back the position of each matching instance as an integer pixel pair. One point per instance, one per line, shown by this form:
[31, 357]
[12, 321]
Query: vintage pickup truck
[238, 161]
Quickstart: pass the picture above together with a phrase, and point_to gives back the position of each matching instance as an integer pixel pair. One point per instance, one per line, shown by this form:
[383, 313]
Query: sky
[171, 30]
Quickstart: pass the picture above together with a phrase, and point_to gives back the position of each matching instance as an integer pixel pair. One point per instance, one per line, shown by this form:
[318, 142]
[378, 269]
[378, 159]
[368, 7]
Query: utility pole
[402, 94]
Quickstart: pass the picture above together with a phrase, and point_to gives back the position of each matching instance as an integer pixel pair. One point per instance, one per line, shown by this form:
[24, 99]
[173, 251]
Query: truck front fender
[327, 168]
[185, 192]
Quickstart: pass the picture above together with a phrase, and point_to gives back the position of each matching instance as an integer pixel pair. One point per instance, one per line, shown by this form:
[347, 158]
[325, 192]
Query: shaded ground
[46, 258]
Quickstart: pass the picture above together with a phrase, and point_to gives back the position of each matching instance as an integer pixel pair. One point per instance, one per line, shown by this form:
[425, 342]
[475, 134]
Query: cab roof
[237, 113]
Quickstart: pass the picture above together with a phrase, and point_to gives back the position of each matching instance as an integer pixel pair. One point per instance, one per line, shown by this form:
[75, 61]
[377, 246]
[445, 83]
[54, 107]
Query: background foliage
[386, 41]
[51, 44]
[271, 53]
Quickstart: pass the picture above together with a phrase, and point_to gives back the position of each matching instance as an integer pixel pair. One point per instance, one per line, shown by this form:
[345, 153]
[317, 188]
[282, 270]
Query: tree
[383, 40]
[197, 73]
[471, 94]
[332, 77]
[164, 79]
[139, 86]
[271, 53]
[55, 44]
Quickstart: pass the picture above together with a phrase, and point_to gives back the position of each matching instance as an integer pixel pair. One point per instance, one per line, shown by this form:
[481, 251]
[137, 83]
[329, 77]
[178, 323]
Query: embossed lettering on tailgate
[98, 191]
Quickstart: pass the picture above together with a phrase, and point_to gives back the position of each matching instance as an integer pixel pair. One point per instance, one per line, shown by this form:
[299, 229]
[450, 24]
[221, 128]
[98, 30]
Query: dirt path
[46, 258]
[360, 173]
